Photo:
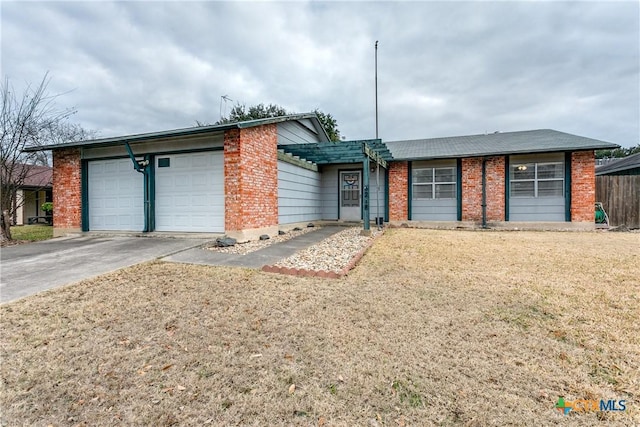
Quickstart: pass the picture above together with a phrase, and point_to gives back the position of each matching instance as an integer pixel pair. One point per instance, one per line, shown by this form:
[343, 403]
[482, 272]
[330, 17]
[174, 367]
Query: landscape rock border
[256, 245]
[303, 272]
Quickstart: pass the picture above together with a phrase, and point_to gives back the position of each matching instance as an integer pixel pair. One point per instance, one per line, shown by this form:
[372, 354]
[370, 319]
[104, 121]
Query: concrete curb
[302, 272]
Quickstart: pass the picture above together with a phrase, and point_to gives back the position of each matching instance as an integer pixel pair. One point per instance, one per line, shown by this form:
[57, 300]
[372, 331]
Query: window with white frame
[434, 183]
[537, 179]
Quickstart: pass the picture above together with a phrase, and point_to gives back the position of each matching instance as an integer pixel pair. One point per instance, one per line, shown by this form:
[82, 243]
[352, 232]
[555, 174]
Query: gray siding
[297, 133]
[175, 144]
[299, 194]
[434, 209]
[540, 209]
[373, 186]
[330, 195]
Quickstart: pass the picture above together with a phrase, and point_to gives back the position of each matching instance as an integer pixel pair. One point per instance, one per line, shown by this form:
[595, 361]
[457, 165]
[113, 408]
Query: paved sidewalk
[257, 259]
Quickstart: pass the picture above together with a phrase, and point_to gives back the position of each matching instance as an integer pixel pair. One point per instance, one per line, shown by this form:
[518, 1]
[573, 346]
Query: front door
[350, 195]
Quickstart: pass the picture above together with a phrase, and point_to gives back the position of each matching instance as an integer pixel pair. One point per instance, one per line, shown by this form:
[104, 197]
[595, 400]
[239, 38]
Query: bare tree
[27, 120]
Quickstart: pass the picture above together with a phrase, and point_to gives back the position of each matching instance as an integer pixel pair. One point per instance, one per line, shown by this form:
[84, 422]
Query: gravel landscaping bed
[333, 254]
[254, 245]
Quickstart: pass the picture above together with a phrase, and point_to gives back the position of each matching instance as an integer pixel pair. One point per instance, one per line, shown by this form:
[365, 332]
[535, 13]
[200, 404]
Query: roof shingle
[532, 141]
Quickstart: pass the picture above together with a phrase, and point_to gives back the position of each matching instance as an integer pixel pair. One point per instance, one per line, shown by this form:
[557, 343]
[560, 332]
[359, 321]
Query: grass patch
[32, 233]
[432, 328]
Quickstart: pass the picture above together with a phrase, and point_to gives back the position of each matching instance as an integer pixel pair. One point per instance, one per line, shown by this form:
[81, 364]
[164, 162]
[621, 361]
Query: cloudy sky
[444, 68]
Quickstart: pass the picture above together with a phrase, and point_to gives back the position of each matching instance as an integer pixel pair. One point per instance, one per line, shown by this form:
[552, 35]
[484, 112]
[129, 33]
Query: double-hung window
[434, 183]
[537, 179]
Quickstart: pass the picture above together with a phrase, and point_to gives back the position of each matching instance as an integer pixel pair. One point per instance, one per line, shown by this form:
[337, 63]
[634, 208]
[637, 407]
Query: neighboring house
[618, 189]
[629, 165]
[35, 190]
[250, 178]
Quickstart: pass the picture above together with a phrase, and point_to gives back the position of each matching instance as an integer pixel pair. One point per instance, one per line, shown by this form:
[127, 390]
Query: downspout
[484, 192]
[144, 170]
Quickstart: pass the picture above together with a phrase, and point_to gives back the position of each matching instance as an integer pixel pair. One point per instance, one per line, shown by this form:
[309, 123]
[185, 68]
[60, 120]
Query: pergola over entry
[360, 151]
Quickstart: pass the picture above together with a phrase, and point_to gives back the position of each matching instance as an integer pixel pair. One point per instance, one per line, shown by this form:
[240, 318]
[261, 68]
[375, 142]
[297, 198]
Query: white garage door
[190, 192]
[115, 196]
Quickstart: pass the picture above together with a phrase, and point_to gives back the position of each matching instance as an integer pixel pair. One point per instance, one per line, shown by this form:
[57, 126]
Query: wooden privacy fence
[620, 197]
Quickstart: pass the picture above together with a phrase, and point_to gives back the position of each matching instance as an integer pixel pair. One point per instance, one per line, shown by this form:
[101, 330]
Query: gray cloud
[445, 68]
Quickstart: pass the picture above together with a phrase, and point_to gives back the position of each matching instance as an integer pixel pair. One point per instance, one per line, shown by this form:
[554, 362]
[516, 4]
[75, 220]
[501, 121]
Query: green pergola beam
[339, 152]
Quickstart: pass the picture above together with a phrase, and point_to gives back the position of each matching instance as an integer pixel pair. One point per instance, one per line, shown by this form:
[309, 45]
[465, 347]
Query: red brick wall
[472, 188]
[398, 191]
[67, 189]
[232, 181]
[251, 177]
[583, 186]
[495, 188]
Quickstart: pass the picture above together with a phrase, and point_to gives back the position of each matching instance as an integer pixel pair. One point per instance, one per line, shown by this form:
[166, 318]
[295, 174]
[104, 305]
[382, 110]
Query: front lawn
[32, 233]
[432, 328]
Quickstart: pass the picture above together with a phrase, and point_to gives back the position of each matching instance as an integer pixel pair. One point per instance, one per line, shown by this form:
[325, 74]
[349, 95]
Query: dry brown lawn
[432, 328]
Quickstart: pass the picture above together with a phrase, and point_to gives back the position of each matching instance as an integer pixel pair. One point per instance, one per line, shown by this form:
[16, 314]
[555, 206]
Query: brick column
[495, 178]
[232, 181]
[583, 186]
[67, 191]
[251, 181]
[398, 191]
[472, 189]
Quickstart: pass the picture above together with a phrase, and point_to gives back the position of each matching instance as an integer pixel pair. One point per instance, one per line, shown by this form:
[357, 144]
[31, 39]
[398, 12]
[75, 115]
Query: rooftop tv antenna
[224, 98]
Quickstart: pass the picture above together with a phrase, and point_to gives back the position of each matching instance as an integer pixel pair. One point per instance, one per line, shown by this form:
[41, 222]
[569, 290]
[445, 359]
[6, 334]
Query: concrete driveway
[30, 268]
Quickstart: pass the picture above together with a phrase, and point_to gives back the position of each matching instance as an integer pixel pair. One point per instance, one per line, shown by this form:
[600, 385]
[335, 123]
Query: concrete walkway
[34, 267]
[266, 256]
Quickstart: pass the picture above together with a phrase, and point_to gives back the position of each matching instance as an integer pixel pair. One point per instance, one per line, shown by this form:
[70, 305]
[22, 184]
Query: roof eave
[177, 133]
[500, 153]
[133, 138]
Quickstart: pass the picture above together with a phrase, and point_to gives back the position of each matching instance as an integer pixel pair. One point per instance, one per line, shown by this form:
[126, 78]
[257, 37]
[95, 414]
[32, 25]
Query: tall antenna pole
[376, 89]
[378, 222]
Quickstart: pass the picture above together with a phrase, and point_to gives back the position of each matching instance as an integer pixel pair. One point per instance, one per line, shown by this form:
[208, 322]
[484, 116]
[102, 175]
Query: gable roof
[34, 176]
[196, 130]
[623, 164]
[532, 141]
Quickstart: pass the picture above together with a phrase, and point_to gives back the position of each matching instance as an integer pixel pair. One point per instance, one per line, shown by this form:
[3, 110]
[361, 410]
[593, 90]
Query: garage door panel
[115, 196]
[200, 162]
[181, 202]
[190, 193]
